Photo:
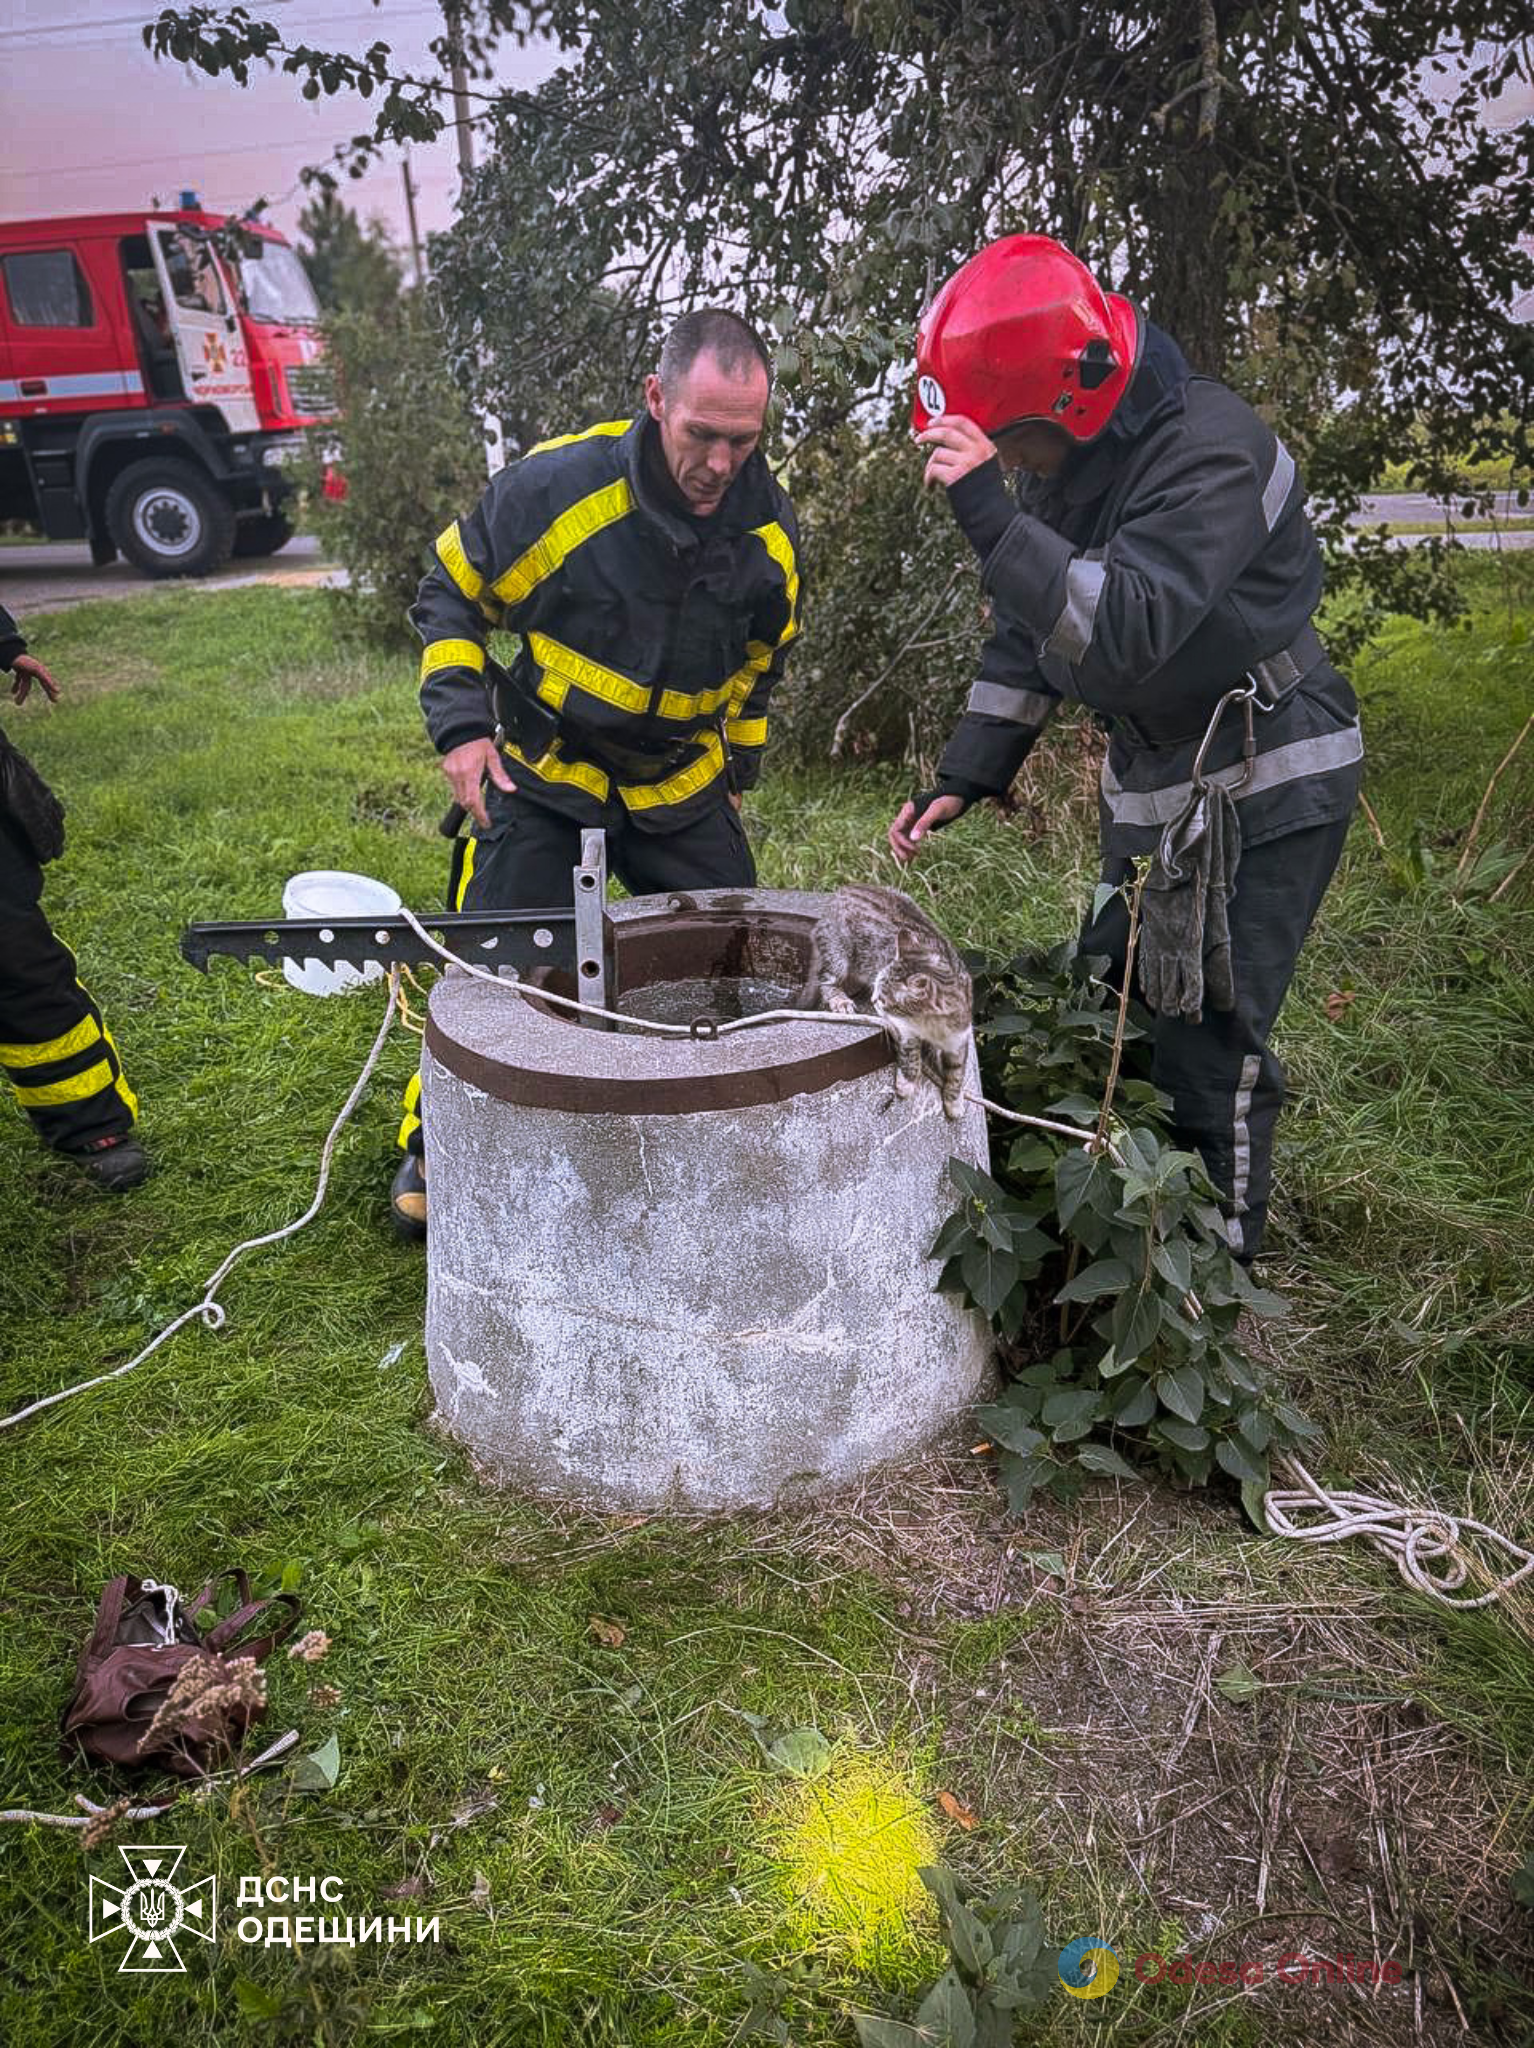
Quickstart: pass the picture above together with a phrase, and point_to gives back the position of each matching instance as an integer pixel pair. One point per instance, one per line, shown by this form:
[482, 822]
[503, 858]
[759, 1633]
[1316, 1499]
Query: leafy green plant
[1103, 1263]
[411, 455]
[998, 1967]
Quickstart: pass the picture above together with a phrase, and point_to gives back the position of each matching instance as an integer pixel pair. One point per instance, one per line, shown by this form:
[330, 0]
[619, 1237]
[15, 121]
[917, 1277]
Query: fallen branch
[888, 670]
[1475, 826]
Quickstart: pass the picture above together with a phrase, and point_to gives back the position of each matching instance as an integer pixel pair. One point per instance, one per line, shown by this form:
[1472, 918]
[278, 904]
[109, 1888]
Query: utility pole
[495, 442]
[461, 115]
[415, 232]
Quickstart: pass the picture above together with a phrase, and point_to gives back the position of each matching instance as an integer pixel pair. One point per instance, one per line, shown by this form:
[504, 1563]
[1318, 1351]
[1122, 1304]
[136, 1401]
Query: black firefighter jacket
[1169, 559]
[656, 640]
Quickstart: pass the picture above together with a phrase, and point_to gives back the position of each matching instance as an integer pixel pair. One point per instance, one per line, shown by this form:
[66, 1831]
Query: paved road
[1409, 508]
[51, 575]
[54, 574]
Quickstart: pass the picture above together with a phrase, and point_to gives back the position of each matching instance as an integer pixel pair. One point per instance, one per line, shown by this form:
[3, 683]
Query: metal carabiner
[1246, 695]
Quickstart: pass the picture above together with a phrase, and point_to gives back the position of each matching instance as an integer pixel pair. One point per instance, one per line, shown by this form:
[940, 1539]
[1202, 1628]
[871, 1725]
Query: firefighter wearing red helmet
[1157, 565]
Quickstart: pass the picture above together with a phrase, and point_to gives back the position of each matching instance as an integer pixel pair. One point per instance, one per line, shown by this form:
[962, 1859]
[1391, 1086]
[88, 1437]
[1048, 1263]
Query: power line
[58, 36]
[192, 156]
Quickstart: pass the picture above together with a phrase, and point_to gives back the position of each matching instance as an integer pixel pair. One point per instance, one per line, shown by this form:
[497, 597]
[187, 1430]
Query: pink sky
[94, 124]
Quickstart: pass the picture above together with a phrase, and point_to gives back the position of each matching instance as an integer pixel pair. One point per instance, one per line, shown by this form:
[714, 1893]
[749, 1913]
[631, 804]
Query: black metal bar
[521, 939]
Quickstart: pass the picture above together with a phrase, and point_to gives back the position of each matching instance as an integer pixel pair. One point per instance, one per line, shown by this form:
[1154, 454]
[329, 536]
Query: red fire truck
[156, 371]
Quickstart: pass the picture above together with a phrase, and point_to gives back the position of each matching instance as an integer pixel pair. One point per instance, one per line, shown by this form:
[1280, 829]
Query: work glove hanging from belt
[1184, 952]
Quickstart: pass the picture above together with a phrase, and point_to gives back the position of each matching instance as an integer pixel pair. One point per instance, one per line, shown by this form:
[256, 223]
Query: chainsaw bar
[494, 939]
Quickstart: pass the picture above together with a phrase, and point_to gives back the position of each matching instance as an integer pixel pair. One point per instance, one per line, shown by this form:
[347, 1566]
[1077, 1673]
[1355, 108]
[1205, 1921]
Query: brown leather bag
[144, 1637]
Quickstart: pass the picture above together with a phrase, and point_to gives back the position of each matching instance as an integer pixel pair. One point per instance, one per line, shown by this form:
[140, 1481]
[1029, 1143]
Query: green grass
[640, 1849]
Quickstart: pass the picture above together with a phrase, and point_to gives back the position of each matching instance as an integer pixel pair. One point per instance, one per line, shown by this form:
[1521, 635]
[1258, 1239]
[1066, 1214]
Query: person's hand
[466, 768]
[26, 670]
[908, 830]
[735, 799]
[957, 445]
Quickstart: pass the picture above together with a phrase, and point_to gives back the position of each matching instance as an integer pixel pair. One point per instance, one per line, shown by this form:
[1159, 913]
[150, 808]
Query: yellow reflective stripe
[466, 875]
[781, 549]
[650, 796]
[76, 1039]
[457, 564]
[675, 704]
[563, 669]
[587, 433]
[745, 680]
[75, 1089]
[452, 654]
[410, 1122]
[746, 732]
[550, 768]
[587, 516]
[129, 1099]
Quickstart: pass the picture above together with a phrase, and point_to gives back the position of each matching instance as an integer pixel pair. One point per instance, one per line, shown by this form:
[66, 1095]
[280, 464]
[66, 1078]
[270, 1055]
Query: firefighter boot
[115, 1162]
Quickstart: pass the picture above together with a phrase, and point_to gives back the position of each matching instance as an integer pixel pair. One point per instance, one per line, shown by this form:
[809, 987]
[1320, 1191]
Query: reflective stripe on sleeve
[452, 654]
[1071, 634]
[1318, 755]
[451, 555]
[746, 732]
[1276, 491]
[586, 517]
[781, 549]
[998, 700]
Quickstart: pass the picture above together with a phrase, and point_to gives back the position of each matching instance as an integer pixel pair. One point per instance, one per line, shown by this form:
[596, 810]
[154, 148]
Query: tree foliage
[351, 264]
[1305, 194]
[411, 454]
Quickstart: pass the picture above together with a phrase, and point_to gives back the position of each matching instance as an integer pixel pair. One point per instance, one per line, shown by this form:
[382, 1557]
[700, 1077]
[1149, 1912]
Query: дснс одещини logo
[152, 1909]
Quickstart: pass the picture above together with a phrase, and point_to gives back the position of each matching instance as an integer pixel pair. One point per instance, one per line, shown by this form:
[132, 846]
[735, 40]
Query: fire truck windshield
[273, 284]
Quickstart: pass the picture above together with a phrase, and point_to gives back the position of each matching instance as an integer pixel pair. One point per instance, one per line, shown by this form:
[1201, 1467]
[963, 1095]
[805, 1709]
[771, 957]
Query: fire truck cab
[156, 373]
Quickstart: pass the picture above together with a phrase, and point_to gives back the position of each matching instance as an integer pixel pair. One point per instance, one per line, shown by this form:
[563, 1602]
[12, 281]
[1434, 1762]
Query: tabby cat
[876, 943]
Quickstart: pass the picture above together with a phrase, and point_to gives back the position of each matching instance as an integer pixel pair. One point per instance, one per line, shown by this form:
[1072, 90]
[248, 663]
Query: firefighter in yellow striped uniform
[650, 570]
[55, 1048]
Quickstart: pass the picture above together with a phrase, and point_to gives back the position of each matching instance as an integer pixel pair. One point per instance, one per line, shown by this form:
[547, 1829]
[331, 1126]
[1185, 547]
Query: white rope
[210, 1310]
[856, 1020]
[1416, 1538]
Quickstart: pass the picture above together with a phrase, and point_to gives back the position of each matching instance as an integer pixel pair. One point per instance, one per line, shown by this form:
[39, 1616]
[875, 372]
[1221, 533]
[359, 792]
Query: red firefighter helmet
[1025, 332]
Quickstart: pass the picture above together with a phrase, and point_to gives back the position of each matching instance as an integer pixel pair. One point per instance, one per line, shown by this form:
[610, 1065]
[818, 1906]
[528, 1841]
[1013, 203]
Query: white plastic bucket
[331, 892]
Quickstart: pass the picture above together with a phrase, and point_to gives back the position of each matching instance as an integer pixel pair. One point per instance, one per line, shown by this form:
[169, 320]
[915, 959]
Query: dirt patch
[1210, 1746]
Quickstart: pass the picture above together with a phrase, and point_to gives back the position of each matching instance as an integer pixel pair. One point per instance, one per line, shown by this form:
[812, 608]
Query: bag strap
[108, 1617]
[223, 1638]
[209, 1593]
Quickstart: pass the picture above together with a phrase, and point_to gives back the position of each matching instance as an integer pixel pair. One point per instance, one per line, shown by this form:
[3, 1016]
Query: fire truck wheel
[169, 519]
[262, 535]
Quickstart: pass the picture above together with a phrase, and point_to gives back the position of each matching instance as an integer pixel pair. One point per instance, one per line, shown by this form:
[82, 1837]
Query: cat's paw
[904, 1085]
[839, 1001]
[954, 1109]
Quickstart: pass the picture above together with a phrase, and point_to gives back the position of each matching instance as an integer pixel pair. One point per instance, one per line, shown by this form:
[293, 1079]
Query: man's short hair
[733, 343]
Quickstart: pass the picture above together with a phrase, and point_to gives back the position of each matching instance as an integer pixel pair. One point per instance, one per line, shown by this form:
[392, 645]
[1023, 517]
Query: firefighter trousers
[1225, 1081]
[527, 861]
[54, 1045]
